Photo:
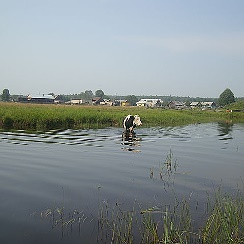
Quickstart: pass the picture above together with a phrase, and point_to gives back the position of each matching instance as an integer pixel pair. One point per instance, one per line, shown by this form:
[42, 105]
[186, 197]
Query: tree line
[225, 98]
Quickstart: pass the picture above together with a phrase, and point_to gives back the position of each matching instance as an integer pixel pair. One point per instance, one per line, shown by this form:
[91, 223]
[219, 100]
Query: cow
[130, 122]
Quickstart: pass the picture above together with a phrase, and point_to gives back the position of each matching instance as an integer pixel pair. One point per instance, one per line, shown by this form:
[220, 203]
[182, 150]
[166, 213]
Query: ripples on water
[95, 137]
[68, 137]
[79, 166]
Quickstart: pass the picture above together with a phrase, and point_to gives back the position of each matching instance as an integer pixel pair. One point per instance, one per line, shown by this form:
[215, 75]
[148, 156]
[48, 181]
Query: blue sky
[124, 47]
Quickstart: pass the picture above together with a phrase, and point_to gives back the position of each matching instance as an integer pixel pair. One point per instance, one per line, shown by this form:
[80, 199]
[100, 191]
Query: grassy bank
[46, 117]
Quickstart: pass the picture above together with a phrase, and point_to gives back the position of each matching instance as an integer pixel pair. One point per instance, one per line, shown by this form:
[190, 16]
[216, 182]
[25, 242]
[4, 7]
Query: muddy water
[73, 171]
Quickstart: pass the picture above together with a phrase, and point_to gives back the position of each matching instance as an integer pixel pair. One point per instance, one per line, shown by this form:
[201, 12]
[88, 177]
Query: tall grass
[225, 223]
[45, 117]
[170, 224]
[174, 224]
[153, 225]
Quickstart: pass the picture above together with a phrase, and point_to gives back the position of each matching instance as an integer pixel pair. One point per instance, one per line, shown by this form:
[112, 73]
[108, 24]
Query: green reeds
[174, 224]
[115, 225]
[46, 117]
[169, 224]
[225, 223]
[153, 225]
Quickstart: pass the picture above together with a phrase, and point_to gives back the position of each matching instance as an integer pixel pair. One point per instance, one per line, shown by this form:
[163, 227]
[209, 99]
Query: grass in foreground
[223, 220]
[46, 117]
[225, 223]
[168, 225]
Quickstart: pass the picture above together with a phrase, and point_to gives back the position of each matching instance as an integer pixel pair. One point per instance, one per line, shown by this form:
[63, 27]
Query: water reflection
[67, 137]
[130, 141]
[225, 129]
[82, 161]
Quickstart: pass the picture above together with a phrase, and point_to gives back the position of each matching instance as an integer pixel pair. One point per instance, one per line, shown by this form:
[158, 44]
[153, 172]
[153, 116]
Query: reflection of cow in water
[130, 122]
[129, 136]
[130, 141]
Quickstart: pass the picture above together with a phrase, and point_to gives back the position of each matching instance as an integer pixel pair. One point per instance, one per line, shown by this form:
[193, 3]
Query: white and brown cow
[130, 122]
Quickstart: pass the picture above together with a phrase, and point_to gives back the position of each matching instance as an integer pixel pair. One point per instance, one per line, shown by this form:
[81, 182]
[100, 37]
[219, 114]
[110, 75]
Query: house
[176, 105]
[207, 105]
[97, 100]
[59, 99]
[23, 99]
[121, 102]
[152, 102]
[203, 105]
[76, 101]
[195, 104]
[124, 103]
[42, 99]
[106, 102]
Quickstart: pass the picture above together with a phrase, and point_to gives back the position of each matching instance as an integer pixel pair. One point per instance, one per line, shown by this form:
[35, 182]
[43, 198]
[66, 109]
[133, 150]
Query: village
[143, 102]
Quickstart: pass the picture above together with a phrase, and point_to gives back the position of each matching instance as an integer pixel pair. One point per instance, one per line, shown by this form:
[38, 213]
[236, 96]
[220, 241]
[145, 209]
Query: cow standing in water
[129, 139]
[130, 122]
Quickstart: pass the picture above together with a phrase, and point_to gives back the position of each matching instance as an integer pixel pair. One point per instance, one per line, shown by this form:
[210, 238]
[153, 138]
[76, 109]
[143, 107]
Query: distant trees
[226, 97]
[5, 95]
[88, 94]
[99, 93]
[132, 99]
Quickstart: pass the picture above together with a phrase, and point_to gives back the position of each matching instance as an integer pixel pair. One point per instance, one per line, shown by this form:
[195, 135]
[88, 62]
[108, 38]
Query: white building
[149, 102]
[203, 105]
[76, 101]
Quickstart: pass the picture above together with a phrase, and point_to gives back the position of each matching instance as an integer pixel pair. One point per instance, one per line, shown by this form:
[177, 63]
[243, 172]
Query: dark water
[77, 169]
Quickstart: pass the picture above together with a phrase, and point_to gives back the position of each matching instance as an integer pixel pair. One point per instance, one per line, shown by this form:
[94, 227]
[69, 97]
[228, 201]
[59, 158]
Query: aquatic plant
[174, 224]
[61, 218]
[168, 224]
[115, 225]
[225, 223]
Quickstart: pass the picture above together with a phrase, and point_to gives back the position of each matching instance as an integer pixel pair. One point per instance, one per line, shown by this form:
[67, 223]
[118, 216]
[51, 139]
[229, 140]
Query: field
[46, 117]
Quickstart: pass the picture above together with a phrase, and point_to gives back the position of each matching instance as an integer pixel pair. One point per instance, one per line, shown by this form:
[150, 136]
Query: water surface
[78, 169]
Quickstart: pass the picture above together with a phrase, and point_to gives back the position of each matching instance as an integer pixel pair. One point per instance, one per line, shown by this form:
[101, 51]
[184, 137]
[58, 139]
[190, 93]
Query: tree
[132, 99]
[226, 97]
[88, 95]
[99, 93]
[6, 95]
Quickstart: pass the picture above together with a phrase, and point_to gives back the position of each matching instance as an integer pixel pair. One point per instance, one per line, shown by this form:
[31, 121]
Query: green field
[45, 117]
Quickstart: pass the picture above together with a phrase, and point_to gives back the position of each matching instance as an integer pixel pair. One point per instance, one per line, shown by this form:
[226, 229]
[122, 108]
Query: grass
[167, 225]
[225, 223]
[239, 105]
[46, 117]
[174, 224]
[223, 220]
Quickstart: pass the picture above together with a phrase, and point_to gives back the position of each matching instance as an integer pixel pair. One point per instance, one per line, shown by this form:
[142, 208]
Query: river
[73, 171]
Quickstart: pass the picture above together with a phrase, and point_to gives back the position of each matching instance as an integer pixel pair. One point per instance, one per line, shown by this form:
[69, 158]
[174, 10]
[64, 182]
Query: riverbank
[45, 117]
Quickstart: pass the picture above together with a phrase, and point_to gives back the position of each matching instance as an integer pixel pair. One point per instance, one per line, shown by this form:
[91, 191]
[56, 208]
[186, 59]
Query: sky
[124, 47]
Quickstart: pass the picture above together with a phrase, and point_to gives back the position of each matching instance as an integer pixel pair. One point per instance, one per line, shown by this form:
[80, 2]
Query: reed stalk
[169, 224]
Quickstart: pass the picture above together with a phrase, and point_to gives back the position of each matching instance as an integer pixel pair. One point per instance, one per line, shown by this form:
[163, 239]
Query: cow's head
[137, 120]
